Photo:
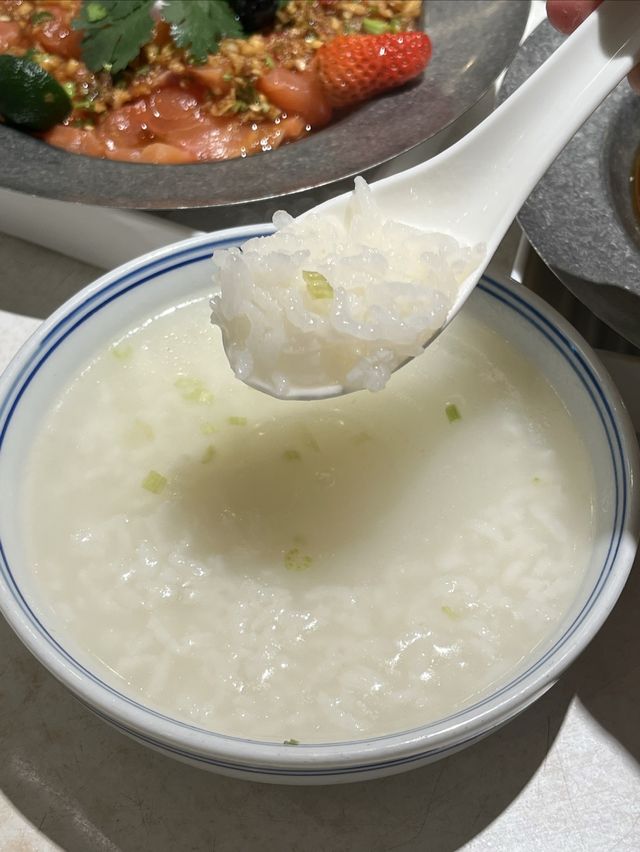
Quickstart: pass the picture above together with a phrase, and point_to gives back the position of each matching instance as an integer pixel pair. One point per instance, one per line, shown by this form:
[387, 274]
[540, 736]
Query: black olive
[255, 14]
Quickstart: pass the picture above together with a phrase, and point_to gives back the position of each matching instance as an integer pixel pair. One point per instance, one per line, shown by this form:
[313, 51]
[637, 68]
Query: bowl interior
[101, 312]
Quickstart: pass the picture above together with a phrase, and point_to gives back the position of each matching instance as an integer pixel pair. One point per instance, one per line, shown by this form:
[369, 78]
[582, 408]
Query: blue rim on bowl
[358, 758]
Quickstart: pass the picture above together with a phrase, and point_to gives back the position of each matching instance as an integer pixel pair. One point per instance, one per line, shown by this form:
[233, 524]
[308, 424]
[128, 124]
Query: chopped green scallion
[70, 88]
[208, 454]
[268, 61]
[374, 26]
[208, 428]
[237, 421]
[40, 17]
[451, 410]
[291, 742]
[154, 482]
[291, 455]
[317, 285]
[95, 12]
[193, 390]
[450, 613]
[294, 560]
[122, 351]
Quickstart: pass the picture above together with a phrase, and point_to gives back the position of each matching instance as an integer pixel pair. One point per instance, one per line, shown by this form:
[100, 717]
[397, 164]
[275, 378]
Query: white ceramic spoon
[474, 189]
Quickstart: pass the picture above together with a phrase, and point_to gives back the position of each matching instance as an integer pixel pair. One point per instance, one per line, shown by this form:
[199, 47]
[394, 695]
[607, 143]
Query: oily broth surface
[317, 571]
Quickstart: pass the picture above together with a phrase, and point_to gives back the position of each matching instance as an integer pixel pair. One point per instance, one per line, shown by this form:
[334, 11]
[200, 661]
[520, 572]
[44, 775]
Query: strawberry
[354, 68]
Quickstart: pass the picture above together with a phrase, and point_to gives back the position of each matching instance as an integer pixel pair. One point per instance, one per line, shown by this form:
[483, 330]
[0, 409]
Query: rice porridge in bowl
[315, 591]
[222, 554]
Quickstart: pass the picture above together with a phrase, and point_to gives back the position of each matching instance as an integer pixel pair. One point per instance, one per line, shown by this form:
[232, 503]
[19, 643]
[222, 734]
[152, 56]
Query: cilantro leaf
[114, 32]
[199, 25]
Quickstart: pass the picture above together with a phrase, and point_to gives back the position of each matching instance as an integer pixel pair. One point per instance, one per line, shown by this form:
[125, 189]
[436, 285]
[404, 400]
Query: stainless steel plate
[473, 41]
[580, 217]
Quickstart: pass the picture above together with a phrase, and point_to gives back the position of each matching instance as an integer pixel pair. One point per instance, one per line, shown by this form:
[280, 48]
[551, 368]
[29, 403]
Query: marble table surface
[563, 776]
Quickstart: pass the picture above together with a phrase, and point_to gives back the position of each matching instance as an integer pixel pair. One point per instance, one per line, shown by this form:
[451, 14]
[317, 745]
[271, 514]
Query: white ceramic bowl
[96, 315]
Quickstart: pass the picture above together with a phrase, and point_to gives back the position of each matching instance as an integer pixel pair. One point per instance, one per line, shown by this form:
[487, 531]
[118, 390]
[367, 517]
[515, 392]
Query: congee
[308, 572]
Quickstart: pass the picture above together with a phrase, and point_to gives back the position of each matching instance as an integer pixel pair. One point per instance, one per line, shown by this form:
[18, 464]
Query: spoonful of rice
[339, 298]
